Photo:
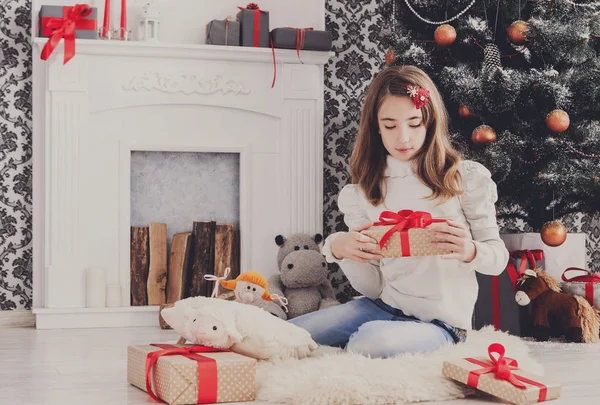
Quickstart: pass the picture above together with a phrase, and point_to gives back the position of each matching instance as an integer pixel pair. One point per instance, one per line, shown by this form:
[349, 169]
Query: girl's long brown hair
[436, 162]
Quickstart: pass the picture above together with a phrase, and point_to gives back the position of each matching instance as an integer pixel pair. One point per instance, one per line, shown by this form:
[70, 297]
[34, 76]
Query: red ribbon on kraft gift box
[207, 369]
[402, 221]
[503, 368]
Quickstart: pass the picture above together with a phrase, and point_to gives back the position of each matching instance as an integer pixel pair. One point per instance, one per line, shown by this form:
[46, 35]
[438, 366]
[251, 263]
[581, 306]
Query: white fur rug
[334, 377]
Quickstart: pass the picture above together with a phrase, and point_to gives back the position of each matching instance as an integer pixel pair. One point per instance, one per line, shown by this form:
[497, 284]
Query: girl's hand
[356, 246]
[452, 236]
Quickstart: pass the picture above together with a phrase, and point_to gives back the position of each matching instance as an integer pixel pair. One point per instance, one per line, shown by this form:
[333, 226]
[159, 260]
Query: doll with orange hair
[248, 287]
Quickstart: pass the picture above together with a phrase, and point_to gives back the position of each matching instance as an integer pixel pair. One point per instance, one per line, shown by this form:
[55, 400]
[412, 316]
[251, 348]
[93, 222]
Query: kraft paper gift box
[188, 374]
[496, 304]
[301, 39]
[254, 26]
[223, 32]
[501, 377]
[404, 234]
[582, 282]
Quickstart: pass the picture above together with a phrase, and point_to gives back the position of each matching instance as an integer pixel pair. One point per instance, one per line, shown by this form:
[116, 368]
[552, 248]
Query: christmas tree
[521, 81]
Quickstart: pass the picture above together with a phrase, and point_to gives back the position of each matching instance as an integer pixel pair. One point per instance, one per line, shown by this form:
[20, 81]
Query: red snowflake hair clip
[419, 95]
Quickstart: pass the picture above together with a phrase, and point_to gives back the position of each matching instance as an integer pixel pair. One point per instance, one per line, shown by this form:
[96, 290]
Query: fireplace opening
[185, 213]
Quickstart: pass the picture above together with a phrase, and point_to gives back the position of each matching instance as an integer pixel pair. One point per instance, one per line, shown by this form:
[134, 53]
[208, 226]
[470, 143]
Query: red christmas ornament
[553, 233]
[464, 111]
[517, 32]
[483, 134]
[557, 121]
[444, 35]
[390, 57]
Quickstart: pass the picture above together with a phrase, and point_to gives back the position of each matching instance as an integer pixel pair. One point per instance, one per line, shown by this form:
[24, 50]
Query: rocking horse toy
[556, 314]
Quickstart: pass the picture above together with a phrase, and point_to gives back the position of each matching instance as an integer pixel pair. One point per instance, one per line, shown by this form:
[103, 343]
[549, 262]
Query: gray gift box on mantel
[254, 28]
[58, 11]
[303, 39]
[223, 32]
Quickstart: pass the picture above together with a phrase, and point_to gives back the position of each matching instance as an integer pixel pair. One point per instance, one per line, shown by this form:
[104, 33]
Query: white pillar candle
[95, 288]
[113, 295]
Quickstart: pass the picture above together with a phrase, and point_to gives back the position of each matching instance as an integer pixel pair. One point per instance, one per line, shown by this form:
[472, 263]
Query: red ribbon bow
[527, 257]
[502, 367]
[403, 221]
[207, 369]
[587, 277]
[252, 6]
[64, 27]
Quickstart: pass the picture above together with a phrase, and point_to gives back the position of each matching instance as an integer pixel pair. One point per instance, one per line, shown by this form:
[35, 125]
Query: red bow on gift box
[503, 368]
[402, 221]
[207, 369]
[64, 27]
[586, 277]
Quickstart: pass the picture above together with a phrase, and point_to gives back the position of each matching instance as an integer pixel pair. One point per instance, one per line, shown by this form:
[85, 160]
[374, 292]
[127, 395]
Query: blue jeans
[375, 329]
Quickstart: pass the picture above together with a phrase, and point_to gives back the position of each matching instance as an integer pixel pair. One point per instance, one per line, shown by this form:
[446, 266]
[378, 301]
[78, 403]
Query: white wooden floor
[63, 367]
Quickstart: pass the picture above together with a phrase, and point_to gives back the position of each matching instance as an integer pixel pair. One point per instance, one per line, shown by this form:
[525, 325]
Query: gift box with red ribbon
[189, 374]
[223, 32]
[299, 39]
[67, 23]
[254, 26]
[404, 233]
[501, 377]
[582, 282]
[496, 304]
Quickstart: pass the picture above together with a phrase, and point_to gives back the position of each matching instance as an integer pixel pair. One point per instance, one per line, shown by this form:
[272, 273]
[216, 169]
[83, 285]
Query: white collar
[398, 168]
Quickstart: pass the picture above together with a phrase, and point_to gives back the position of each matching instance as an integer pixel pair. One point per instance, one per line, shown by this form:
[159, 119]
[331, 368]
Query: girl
[403, 159]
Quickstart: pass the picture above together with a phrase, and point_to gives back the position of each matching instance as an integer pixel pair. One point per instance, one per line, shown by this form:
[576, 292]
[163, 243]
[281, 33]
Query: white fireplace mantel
[116, 97]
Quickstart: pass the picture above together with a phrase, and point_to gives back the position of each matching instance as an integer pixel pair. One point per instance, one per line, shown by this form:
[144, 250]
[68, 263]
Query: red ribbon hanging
[503, 368]
[587, 277]
[64, 27]
[207, 369]
[402, 221]
[300, 34]
[527, 257]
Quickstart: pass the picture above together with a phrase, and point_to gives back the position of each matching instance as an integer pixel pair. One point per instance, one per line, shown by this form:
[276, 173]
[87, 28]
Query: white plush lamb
[244, 329]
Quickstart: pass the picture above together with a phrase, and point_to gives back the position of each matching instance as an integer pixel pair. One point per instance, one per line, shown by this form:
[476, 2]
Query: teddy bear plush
[302, 279]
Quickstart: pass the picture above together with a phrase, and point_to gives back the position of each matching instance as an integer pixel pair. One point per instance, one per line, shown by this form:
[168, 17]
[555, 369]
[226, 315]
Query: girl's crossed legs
[372, 328]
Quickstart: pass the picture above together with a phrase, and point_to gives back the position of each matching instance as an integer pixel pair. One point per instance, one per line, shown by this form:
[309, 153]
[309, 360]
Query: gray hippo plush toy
[302, 279]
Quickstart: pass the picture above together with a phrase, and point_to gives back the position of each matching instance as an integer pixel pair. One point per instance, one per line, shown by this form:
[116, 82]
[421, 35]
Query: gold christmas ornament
[444, 35]
[517, 32]
[483, 134]
[553, 233]
[557, 121]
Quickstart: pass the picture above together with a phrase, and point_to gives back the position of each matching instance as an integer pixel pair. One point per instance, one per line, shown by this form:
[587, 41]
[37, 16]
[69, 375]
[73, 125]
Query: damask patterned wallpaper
[355, 25]
[15, 155]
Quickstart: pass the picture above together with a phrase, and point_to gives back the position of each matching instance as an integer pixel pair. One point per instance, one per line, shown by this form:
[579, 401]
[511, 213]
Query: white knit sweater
[427, 287]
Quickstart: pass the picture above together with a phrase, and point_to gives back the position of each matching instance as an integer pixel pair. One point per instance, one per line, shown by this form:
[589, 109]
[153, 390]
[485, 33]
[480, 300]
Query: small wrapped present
[189, 374]
[254, 26]
[501, 377]
[496, 304]
[301, 39]
[582, 282]
[223, 32]
[404, 233]
[68, 23]
[571, 253]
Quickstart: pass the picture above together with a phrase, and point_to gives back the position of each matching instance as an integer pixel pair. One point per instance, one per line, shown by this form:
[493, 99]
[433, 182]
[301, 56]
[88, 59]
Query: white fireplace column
[114, 98]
